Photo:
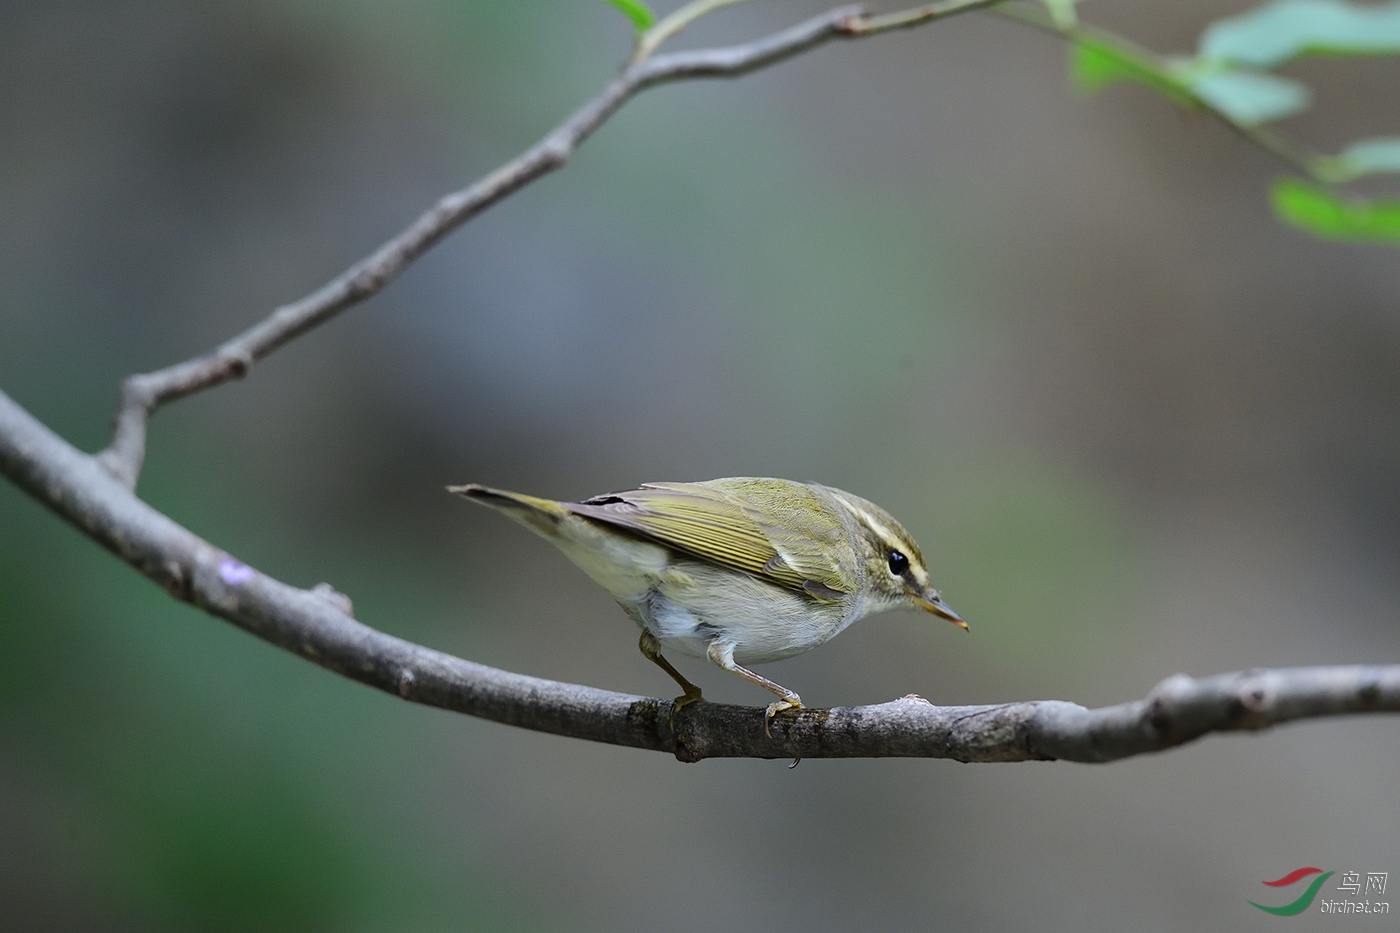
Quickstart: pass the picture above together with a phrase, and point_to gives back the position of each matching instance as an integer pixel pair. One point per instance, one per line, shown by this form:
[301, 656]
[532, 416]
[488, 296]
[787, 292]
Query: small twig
[668, 26]
[316, 625]
[915, 16]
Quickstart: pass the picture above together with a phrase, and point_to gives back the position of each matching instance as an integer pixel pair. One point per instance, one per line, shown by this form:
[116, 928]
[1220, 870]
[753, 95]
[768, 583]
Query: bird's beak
[931, 602]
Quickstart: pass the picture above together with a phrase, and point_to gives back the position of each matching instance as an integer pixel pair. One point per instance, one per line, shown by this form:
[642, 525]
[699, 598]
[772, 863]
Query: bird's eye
[898, 563]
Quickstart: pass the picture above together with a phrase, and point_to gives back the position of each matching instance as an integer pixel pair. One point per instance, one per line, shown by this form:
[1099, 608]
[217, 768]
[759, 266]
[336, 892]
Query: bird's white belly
[692, 605]
[689, 605]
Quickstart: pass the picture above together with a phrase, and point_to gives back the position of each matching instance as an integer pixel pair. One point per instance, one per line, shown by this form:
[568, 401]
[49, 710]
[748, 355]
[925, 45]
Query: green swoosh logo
[1302, 903]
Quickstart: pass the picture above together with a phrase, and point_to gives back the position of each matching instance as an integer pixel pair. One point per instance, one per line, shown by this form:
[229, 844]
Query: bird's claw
[791, 701]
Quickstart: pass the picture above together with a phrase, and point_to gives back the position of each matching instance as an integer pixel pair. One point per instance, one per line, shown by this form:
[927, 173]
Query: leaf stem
[1280, 147]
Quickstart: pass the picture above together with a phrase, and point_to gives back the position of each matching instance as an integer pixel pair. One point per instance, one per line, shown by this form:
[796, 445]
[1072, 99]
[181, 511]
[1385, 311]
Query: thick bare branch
[143, 393]
[315, 624]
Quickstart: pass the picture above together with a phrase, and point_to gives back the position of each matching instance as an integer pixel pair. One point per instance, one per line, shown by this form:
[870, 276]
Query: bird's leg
[723, 655]
[651, 650]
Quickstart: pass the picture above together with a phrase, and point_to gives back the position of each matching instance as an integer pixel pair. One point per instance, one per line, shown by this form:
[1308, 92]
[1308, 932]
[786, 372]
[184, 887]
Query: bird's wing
[748, 525]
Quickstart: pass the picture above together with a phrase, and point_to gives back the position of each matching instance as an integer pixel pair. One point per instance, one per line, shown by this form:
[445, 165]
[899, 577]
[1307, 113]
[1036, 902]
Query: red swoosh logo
[1293, 876]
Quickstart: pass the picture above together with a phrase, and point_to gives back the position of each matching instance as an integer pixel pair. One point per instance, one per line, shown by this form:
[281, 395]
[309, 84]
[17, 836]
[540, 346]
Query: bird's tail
[542, 516]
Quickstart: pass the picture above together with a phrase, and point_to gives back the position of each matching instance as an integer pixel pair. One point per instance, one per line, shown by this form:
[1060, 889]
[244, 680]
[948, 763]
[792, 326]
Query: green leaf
[1062, 12]
[1273, 33]
[1097, 64]
[638, 12]
[1319, 211]
[1245, 97]
[1250, 98]
[1367, 157]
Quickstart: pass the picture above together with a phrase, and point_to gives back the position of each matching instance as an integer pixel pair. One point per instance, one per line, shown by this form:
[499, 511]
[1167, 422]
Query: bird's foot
[690, 696]
[790, 701]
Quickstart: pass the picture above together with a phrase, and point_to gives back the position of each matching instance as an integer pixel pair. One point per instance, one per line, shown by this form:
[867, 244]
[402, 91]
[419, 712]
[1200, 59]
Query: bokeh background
[1137, 426]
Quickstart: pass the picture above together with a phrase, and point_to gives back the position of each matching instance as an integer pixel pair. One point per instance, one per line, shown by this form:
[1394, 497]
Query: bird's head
[895, 573]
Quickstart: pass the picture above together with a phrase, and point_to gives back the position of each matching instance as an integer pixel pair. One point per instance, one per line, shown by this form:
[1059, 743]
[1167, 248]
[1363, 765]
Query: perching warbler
[740, 570]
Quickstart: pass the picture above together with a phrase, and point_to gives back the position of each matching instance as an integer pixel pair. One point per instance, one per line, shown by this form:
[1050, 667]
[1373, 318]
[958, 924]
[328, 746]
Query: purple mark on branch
[233, 572]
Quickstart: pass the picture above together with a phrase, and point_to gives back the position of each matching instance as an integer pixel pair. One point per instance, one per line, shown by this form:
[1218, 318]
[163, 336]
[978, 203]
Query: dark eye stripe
[899, 564]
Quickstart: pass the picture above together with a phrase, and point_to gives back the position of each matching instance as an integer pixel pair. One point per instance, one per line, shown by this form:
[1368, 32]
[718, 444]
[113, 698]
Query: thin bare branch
[316, 625]
[142, 394]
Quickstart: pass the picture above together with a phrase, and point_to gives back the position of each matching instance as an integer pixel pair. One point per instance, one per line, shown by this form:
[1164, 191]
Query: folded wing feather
[786, 536]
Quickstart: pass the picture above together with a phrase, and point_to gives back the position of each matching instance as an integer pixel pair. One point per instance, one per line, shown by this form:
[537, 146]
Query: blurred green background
[1137, 426]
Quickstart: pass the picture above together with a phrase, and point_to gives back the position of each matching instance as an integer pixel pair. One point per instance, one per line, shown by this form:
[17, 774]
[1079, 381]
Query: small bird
[741, 571]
